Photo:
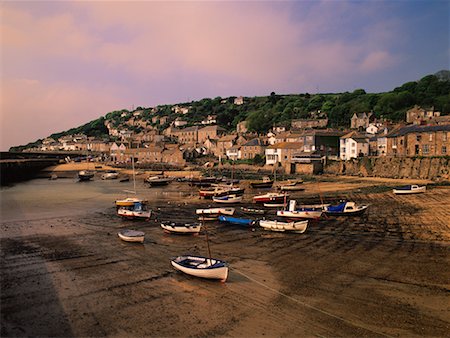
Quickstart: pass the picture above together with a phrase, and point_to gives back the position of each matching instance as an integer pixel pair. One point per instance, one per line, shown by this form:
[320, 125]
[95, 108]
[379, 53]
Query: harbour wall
[432, 168]
[16, 170]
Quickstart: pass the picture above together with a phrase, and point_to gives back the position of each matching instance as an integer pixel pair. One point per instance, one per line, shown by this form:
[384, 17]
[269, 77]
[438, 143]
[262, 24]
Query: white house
[273, 155]
[234, 153]
[372, 129]
[179, 122]
[353, 145]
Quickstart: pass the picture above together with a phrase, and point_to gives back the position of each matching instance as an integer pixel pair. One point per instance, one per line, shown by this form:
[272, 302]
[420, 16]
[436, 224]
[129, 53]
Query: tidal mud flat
[64, 271]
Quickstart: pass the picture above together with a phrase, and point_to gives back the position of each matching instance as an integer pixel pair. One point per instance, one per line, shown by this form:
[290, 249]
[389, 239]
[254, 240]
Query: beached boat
[85, 175]
[297, 226]
[220, 190]
[181, 228]
[137, 211]
[237, 221]
[301, 212]
[201, 181]
[253, 211]
[129, 202]
[345, 209]
[275, 205]
[131, 236]
[227, 199]
[291, 187]
[212, 213]
[110, 175]
[202, 267]
[271, 197]
[409, 189]
[157, 181]
[265, 183]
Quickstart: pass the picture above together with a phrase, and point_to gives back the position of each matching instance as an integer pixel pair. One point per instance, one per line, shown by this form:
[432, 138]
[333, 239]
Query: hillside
[263, 112]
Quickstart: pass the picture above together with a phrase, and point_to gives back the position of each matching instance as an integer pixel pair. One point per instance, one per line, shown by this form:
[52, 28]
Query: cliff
[433, 168]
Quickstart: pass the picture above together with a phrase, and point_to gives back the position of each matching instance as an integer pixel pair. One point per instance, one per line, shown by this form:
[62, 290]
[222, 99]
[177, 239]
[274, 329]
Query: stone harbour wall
[433, 168]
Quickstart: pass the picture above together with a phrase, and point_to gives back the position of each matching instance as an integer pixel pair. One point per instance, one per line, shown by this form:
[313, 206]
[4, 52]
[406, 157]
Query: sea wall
[433, 168]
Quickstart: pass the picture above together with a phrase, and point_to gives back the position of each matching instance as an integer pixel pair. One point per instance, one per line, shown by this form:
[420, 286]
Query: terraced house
[415, 140]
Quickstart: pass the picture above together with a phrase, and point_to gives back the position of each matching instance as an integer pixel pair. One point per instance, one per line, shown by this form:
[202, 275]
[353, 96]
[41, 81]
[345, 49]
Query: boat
[131, 236]
[253, 211]
[297, 226]
[274, 205]
[136, 211]
[110, 175]
[409, 189]
[345, 209]
[212, 213]
[85, 175]
[237, 221]
[129, 202]
[125, 179]
[53, 177]
[202, 267]
[201, 181]
[302, 212]
[181, 228]
[265, 183]
[289, 187]
[157, 181]
[227, 199]
[220, 190]
[270, 197]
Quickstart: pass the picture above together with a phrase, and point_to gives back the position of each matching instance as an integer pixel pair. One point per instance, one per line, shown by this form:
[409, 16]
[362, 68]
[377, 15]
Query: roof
[194, 128]
[253, 142]
[226, 138]
[216, 127]
[286, 145]
[419, 129]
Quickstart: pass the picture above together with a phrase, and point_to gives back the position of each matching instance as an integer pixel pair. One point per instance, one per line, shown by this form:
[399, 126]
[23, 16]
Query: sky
[65, 63]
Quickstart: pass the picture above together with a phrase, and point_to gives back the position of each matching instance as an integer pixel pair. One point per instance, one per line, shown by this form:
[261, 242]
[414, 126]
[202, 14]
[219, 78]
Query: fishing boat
[271, 197]
[202, 267]
[237, 221]
[85, 175]
[131, 236]
[409, 189]
[227, 199]
[137, 211]
[129, 202]
[157, 181]
[297, 226]
[110, 175]
[265, 183]
[291, 187]
[212, 213]
[220, 190]
[253, 211]
[345, 209]
[302, 212]
[181, 228]
[202, 181]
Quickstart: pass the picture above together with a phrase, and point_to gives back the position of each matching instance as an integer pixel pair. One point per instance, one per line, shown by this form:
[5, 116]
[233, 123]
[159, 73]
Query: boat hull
[419, 190]
[298, 227]
[227, 199]
[131, 236]
[133, 214]
[182, 229]
[306, 214]
[237, 221]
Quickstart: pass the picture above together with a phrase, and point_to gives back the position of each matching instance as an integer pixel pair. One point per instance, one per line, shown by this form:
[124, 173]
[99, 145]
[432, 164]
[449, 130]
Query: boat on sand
[131, 235]
[202, 267]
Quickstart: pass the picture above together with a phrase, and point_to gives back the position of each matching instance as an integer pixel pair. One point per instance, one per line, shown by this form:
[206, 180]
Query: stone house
[353, 145]
[415, 140]
[241, 127]
[239, 101]
[188, 135]
[282, 152]
[210, 132]
[117, 153]
[173, 156]
[210, 146]
[234, 153]
[224, 143]
[179, 122]
[98, 146]
[210, 119]
[360, 120]
[252, 148]
[323, 142]
[418, 115]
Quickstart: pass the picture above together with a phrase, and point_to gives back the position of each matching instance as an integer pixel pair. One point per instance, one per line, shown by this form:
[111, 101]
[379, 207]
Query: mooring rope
[305, 304]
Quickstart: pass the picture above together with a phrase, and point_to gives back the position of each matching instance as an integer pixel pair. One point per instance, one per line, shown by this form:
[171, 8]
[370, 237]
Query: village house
[224, 143]
[210, 119]
[239, 101]
[418, 115]
[117, 153]
[241, 127]
[173, 156]
[372, 128]
[188, 135]
[415, 140]
[353, 145]
[271, 138]
[282, 152]
[360, 120]
[180, 110]
[322, 142]
[98, 146]
[211, 132]
[309, 123]
[210, 146]
[179, 122]
[252, 148]
[234, 153]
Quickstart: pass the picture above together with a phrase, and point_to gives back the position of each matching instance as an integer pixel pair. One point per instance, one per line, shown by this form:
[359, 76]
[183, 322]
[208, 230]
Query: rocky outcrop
[434, 168]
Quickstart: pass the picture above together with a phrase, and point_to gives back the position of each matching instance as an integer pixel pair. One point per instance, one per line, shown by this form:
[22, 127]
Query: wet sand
[65, 273]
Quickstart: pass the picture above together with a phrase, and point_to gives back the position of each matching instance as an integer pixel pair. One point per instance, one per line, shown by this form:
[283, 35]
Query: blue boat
[237, 221]
[345, 209]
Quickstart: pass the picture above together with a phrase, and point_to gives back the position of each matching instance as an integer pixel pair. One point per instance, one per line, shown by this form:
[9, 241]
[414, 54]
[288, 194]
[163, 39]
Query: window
[418, 138]
[444, 136]
[431, 137]
[444, 149]
[426, 149]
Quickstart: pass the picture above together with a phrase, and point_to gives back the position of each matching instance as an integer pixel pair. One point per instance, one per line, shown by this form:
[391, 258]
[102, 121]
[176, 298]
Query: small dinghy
[302, 212]
[271, 197]
[227, 199]
[131, 236]
[265, 183]
[110, 175]
[213, 213]
[298, 226]
[237, 221]
[181, 228]
[202, 267]
[85, 175]
[345, 209]
[137, 211]
[409, 189]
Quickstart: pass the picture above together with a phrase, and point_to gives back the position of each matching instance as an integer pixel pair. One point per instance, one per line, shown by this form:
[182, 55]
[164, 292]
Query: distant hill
[263, 112]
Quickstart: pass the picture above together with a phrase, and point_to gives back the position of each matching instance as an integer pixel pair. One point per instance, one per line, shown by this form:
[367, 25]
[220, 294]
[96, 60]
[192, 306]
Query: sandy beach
[65, 272]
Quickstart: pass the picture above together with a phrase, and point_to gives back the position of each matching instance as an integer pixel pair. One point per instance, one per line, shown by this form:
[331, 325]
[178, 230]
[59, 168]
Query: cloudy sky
[66, 63]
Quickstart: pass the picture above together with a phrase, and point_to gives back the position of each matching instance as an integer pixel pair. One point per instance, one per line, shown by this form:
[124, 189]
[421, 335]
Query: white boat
[274, 205]
[302, 212]
[85, 175]
[345, 209]
[271, 197]
[212, 214]
[134, 212]
[131, 236]
[409, 189]
[291, 188]
[202, 267]
[227, 199]
[110, 175]
[181, 228]
[297, 226]
[129, 202]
